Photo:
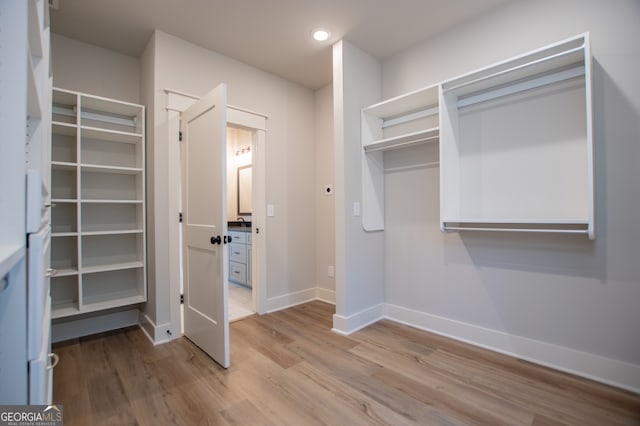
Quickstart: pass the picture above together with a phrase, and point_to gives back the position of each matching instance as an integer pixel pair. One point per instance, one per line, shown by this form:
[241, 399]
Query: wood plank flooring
[288, 368]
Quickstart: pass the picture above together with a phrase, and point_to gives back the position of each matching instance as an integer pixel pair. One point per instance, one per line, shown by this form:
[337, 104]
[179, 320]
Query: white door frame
[176, 103]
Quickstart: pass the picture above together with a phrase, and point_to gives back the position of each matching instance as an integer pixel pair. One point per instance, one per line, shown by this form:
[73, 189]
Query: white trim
[325, 295]
[289, 300]
[605, 370]
[176, 102]
[64, 329]
[347, 325]
[156, 335]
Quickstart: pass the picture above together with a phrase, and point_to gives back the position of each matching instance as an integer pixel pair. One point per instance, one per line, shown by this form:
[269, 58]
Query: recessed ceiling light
[321, 35]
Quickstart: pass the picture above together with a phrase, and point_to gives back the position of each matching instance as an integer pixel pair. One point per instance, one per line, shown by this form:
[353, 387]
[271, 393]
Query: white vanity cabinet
[240, 257]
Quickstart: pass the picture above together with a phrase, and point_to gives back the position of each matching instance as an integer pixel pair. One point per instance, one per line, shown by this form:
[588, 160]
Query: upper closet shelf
[400, 105]
[552, 64]
[404, 140]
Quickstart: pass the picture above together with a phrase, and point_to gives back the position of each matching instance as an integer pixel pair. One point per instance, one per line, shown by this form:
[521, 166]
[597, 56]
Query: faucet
[241, 219]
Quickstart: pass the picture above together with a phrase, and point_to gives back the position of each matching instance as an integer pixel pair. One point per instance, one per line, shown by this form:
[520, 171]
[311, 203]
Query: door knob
[228, 239]
[216, 240]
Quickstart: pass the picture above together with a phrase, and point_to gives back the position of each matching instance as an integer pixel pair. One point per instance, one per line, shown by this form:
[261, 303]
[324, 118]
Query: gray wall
[325, 242]
[359, 254]
[290, 144]
[568, 298]
[91, 69]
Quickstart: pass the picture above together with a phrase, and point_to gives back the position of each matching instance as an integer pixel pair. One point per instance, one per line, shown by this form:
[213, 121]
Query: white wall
[91, 69]
[182, 66]
[324, 236]
[559, 300]
[359, 254]
[148, 80]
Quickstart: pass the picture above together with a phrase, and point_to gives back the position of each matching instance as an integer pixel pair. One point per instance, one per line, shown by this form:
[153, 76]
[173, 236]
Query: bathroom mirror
[244, 190]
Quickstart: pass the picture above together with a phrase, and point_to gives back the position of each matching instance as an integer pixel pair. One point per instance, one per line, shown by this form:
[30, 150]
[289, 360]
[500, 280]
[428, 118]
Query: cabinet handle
[55, 358]
[51, 272]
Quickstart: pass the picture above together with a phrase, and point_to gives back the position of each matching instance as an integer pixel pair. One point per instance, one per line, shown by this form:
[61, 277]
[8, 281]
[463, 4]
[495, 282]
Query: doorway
[255, 122]
[240, 146]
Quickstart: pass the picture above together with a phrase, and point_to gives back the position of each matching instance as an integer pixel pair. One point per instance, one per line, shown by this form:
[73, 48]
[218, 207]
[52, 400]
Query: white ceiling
[273, 35]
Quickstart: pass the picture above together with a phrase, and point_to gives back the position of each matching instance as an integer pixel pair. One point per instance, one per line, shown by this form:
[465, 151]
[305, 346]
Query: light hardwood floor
[289, 368]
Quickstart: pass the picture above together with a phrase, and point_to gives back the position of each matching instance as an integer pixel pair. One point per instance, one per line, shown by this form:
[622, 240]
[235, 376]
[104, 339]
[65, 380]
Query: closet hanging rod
[416, 115]
[530, 230]
[541, 61]
[412, 167]
[523, 86]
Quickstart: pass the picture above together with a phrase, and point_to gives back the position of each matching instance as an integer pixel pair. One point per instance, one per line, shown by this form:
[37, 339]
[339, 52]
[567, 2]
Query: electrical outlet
[327, 190]
[330, 271]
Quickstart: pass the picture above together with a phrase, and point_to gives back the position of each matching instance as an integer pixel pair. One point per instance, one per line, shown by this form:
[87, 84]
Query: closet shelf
[63, 165]
[110, 201]
[113, 300]
[567, 55]
[113, 232]
[65, 129]
[61, 310]
[418, 100]
[405, 140]
[111, 267]
[66, 272]
[95, 168]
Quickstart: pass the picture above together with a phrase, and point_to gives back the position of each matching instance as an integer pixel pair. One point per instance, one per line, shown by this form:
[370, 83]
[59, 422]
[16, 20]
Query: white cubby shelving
[98, 219]
[516, 144]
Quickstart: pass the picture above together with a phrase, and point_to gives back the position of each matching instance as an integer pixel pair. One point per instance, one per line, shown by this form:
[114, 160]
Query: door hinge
[180, 217]
[182, 299]
[180, 136]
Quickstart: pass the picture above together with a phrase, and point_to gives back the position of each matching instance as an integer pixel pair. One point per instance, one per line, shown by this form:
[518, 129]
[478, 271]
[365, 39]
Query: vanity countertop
[239, 226]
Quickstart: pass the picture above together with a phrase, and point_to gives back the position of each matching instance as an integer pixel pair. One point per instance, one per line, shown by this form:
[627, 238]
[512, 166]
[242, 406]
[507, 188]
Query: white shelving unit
[98, 220]
[516, 144]
[399, 122]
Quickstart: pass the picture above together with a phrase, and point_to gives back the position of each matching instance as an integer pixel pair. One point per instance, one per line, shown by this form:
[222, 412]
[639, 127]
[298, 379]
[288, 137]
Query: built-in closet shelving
[98, 194]
[516, 144]
[399, 122]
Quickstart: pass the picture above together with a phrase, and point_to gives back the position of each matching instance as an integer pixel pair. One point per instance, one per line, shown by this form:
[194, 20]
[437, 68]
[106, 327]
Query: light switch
[356, 208]
[270, 210]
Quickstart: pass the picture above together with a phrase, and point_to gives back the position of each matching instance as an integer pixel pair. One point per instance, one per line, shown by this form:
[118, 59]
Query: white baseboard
[325, 295]
[605, 370]
[347, 325]
[291, 299]
[65, 329]
[157, 334]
